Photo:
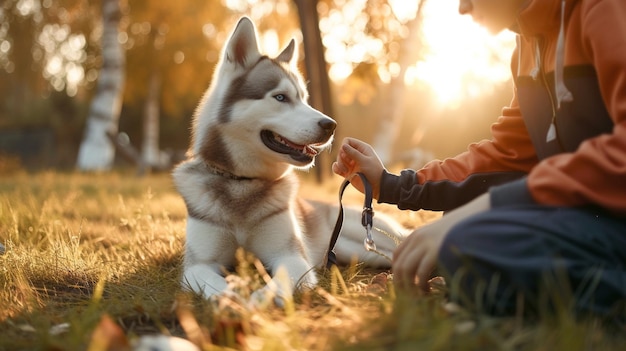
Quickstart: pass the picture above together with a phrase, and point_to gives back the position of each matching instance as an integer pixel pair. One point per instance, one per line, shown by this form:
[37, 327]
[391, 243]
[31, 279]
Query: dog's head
[255, 115]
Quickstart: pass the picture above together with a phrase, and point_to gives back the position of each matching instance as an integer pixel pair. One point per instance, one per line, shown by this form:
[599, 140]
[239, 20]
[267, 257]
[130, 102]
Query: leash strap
[367, 218]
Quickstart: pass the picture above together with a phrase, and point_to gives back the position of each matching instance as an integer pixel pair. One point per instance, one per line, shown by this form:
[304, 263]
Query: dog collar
[223, 173]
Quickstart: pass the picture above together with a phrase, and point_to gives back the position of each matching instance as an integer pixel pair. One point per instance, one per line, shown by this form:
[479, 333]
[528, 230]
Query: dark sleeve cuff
[391, 186]
[511, 193]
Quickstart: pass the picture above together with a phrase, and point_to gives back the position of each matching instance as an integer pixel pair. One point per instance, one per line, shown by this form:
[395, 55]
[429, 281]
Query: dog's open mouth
[282, 145]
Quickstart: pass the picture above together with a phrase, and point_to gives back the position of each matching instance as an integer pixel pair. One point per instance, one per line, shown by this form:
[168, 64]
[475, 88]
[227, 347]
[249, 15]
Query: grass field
[93, 262]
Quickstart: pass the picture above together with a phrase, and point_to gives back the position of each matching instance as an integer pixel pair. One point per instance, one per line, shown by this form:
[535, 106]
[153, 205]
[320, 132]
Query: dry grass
[80, 247]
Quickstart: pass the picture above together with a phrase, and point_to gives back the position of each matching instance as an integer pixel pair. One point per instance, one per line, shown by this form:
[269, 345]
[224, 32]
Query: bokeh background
[412, 77]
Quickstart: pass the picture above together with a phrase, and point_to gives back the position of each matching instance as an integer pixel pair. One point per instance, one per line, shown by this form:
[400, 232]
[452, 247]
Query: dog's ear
[242, 48]
[288, 53]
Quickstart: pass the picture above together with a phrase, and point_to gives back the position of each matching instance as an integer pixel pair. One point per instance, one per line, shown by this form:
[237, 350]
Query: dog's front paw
[204, 280]
[267, 297]
[278, 292]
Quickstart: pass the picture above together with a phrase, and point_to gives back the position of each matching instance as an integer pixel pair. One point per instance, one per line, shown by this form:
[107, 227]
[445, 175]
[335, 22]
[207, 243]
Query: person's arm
[447, 184]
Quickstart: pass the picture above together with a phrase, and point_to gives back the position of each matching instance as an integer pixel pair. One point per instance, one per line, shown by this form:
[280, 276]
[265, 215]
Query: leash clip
[369, 243]
[367, 220]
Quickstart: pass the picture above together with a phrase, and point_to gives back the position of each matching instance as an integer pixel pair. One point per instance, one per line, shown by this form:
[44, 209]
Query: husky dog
[252, 128]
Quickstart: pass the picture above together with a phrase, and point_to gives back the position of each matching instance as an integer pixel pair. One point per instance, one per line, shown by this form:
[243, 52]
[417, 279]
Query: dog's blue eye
[280, 97]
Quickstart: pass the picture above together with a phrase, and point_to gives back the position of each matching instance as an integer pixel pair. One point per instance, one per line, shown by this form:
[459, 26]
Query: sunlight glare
[64, 56]
[270, 42]
[403, 10]
[340, 71]
[459, 58]
[464, 59]
[5, 46]
[27, 7]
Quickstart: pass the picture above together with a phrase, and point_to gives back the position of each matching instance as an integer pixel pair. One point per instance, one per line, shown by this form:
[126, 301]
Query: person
[535, 217]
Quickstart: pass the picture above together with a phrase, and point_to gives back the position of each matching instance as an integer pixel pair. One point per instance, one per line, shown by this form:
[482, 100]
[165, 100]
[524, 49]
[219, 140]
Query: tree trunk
[96, 151]
[150, 152]
[315, 62]
[393, 110]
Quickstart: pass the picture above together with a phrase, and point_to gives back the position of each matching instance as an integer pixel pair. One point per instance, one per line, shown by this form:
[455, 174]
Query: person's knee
[472, 274]
[468, 254]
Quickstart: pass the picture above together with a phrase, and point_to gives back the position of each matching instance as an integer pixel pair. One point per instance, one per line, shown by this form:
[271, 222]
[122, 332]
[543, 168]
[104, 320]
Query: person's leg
[536, 257]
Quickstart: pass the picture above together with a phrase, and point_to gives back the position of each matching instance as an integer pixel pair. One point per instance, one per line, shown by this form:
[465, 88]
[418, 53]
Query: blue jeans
[536, 259]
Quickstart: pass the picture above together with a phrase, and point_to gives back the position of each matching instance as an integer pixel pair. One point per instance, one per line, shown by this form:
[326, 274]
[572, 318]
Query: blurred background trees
[97, 152]
[380, 55]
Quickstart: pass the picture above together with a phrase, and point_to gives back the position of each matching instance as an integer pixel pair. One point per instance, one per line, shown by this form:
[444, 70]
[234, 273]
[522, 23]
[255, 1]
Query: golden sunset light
[463, 59]
[459, 59]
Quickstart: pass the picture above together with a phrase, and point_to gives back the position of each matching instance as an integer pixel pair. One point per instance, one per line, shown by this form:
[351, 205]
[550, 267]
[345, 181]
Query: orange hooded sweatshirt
[562, 140]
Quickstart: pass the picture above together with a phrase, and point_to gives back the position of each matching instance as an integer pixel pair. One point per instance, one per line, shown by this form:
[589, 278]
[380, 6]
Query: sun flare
[463, 59]
[458, 60]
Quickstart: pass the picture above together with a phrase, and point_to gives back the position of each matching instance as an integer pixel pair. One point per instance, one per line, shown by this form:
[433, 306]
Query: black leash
[367, 218]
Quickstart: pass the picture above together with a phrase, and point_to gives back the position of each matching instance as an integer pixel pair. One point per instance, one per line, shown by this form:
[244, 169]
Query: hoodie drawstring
[562, 93]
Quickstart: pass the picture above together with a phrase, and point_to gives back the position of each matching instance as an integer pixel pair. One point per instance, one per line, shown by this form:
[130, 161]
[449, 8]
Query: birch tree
[165, 51]
[150, 152]
[97, 152]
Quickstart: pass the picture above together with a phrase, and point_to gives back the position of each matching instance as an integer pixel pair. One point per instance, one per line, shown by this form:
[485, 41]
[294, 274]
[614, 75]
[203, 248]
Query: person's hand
[417, 255]
[357, 156]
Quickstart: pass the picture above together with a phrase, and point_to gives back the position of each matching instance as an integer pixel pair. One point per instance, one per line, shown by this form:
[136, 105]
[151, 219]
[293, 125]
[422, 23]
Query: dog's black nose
[327, 124]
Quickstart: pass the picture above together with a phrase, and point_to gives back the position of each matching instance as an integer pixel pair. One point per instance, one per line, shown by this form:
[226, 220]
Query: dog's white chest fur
[226, 213]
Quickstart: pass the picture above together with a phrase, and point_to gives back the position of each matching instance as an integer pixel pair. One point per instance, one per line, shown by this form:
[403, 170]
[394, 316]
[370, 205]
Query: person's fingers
[425, 270]
[355, 161]
[347, 151]
[357, 149]
[405, 271]
[406, 264]
[358, 145]
[406, 243]
[343, 161]
[357, 156]
[339, 169]
[344, 165]
[346, 158]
